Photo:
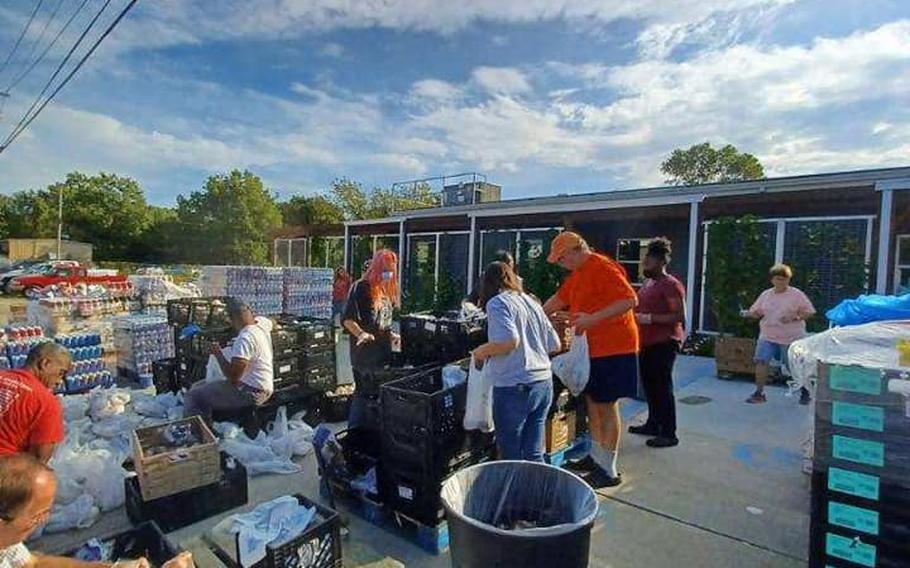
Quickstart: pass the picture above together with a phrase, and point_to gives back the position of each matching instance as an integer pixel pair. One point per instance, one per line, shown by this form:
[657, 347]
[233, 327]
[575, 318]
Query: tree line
[233, 217]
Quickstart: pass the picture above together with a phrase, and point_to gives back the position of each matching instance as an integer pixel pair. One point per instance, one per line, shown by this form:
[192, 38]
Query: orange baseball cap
[563, 243]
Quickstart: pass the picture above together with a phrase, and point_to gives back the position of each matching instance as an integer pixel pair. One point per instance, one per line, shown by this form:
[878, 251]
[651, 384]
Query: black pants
[656, 364]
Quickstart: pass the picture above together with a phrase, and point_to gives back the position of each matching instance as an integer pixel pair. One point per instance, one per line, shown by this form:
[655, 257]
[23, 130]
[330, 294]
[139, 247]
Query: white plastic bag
[574, 368]
[213, 370]
[478, 414]
[81, 513]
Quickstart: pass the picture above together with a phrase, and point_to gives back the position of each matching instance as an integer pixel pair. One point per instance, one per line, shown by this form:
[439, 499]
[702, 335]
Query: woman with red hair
[368, 319]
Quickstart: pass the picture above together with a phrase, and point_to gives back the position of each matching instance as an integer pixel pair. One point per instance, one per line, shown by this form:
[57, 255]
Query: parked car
[23, 268]
[62, 274]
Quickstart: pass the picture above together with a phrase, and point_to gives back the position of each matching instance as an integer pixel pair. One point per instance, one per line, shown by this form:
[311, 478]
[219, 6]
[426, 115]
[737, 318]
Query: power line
[21, 35]
[48, 48]
[40, 38]
[56, 72]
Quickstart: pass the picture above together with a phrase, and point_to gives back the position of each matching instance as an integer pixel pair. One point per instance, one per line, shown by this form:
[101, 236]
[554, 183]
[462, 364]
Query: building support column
[347, 244]
[884, 241]
[402, 249]
[471, 246]
[690, 272]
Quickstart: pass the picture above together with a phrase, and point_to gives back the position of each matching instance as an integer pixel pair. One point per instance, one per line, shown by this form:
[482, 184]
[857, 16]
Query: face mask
[387, 275]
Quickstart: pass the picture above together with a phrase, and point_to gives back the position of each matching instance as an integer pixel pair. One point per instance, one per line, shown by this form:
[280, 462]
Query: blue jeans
[520, 417]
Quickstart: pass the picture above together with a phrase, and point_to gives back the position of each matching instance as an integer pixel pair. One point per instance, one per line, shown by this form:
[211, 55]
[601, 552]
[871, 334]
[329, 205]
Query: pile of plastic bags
[271, 451]
[278, 520]
[89, 462]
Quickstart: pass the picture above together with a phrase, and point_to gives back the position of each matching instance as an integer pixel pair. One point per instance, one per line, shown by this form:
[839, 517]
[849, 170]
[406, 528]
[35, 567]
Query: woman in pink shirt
[783, 311]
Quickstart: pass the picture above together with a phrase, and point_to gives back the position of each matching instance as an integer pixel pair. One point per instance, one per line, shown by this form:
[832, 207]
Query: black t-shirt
[374, 320]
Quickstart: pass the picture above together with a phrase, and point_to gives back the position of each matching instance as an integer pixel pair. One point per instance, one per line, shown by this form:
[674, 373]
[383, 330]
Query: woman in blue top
[517, 359]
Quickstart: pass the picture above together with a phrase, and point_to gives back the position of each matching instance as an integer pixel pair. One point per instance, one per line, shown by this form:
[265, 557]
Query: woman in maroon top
[660, 315]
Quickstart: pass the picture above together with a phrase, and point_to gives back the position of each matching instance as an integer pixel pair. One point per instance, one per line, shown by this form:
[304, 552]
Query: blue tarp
[870, 308]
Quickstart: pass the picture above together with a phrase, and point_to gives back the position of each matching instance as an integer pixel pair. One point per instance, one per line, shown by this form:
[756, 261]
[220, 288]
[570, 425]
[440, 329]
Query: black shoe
[663, 442]
[644, 430]
[583, 465]
[804, 397]
[598, 479]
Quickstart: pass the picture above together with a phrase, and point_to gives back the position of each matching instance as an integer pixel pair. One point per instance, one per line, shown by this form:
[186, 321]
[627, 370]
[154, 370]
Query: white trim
[779, 241]
[580, 207]
[884, 241]
[892, 184]
[402, 249]
[436, 271]
[383, 221]
[434, 233]
[704, 279]
[806, 219]
[471, 245]
[347, 242]
[898, 266]
[690, 266]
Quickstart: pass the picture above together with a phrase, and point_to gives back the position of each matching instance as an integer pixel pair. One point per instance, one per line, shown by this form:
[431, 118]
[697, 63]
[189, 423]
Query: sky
[541, 96]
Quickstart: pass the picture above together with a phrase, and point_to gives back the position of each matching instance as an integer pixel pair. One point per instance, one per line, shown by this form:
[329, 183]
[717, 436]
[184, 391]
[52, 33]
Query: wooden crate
[735, 356]
[560, 431]
[164, 471]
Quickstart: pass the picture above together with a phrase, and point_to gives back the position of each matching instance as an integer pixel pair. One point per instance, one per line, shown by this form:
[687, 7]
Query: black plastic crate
[853, 450]
[188, 507]
[369, 382]
[322, 357]
[421, 406]
[336, 407]
[358, 448]
[285, 342]
[287, 370]
[319, 379]
[835, 546]
[311, 332]
[204, 312]
[424, 455]
[164, 375]
[862, 489]
[190, 370]
[319, 546]
[142, 541]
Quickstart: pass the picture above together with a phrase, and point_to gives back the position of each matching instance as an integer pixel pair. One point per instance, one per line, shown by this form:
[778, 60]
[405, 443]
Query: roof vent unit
[470, 193]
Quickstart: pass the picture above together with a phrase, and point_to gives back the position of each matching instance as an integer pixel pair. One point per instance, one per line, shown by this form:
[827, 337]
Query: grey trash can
[515, 513]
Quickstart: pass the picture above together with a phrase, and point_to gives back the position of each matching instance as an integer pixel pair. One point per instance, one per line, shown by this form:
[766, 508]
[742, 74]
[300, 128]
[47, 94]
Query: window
[630, 253]
[902, 270]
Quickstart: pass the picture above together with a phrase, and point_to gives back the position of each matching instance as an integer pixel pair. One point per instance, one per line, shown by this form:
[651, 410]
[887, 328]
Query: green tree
[30, 214]
[702, 163]
[230, 221]
[357, 203]
[106, 210]
[316, 210]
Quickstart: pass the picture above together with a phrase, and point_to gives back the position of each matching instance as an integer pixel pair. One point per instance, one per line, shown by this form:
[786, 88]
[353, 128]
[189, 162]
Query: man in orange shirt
[600, 302]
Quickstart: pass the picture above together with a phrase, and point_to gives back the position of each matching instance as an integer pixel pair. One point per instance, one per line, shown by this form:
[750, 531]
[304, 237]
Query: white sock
[605, 458]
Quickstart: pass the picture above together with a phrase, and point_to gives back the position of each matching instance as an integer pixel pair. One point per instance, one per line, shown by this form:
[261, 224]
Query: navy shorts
[613, 378]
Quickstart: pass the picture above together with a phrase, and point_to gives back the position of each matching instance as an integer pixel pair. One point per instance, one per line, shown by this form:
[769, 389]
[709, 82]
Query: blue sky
[541, 96]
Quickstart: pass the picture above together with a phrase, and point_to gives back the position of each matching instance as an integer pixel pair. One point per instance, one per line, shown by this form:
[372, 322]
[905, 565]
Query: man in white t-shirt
[248, 373]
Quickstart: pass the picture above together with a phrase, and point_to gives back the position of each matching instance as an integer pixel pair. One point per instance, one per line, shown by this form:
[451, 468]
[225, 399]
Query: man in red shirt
[600, 301]
[660, 315]
[31, 418]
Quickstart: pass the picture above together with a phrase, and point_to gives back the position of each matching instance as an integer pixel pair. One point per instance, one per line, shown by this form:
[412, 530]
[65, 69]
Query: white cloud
[434, 89]
[501, 80]
[333, 50]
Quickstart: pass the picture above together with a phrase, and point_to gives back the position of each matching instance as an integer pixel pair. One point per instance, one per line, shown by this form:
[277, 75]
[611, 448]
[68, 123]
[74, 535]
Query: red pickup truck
[60, 275]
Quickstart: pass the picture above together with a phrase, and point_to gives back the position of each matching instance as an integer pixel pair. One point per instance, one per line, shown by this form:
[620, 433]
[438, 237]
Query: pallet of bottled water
[308, 292]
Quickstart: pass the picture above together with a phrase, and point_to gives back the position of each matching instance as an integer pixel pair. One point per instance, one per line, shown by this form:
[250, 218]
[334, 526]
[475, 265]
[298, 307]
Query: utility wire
[54, 76]
[21, 35]
[40, 38]
[48, 48]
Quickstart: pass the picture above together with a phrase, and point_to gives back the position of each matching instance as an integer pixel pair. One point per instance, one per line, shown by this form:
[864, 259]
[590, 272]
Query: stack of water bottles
[20, 340]
[260, 287]
[141, 340]
[308, 292]
[88, 369]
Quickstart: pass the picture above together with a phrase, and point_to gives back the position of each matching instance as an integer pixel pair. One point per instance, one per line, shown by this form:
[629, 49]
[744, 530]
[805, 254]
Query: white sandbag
[574, 368]
[478, 413]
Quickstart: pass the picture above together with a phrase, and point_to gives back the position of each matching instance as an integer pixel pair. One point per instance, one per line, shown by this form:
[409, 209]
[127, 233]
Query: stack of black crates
[423, 442]
[188, 367]
[440, 338]
[861, 468]
[304, 357]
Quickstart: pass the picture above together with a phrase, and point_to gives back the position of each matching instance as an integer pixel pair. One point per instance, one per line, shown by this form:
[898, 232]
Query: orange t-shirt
[593, 286]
